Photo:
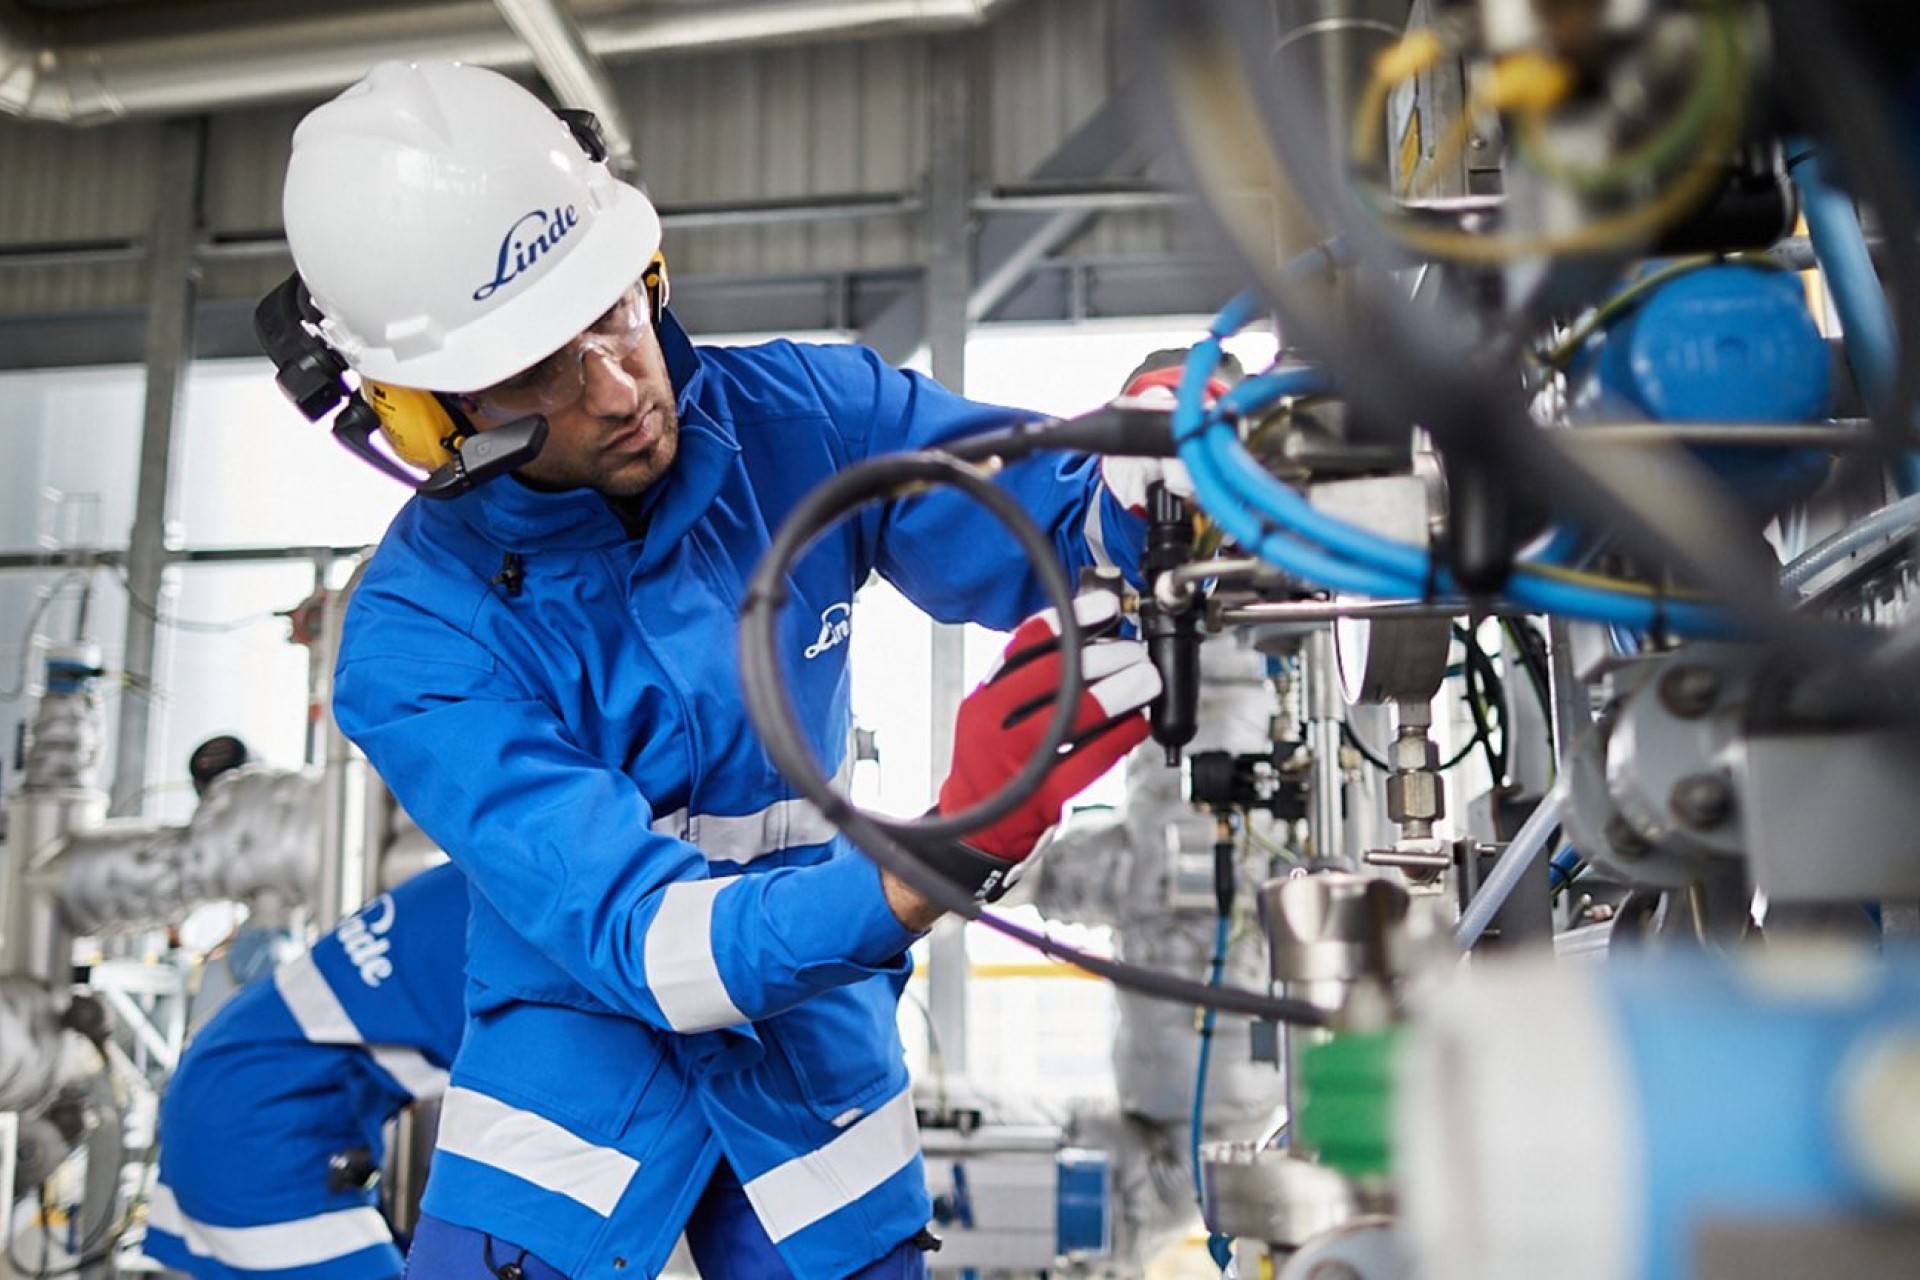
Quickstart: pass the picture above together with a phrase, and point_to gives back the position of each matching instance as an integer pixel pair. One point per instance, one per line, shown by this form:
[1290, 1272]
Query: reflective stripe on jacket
[298, 1067]
[671, 956]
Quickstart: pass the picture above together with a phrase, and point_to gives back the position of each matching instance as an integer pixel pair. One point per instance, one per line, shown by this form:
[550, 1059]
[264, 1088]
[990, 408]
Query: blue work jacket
[673, 958]
[298, 1067]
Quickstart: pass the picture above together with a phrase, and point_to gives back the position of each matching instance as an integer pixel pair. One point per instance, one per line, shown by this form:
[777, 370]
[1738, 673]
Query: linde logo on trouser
[365, 938]
[526, 242]
[836, 624]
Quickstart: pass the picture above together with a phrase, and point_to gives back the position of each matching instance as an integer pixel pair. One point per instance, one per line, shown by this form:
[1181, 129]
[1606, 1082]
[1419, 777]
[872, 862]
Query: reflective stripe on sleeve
[682, 973]
[273, 1246]
[744, 837]
[411, 1070]
[741, 838]
[322, 1018]
[788, 824]
[797, 1194]
[534, 1149]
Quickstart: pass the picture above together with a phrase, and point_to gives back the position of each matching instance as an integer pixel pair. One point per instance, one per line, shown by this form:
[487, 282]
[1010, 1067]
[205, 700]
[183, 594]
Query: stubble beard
[634, 476]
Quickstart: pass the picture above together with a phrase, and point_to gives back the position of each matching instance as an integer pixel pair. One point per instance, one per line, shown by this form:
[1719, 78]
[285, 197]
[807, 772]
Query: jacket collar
[529, 521]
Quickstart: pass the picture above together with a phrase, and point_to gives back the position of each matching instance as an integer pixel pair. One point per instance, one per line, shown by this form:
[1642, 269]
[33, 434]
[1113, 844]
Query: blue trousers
[725, 1238]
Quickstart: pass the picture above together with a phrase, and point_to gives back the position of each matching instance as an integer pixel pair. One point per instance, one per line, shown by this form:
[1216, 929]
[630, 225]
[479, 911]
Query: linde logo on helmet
[529, 239]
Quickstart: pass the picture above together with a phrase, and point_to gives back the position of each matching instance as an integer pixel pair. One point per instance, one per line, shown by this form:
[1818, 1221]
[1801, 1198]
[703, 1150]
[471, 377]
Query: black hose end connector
[1173, 639]
[1173, 645]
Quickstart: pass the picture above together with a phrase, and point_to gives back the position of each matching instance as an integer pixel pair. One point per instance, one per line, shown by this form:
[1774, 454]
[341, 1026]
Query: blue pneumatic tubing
[1214, 970]
[1562, 867]
[1263, 538]
[1217, 1245]
[1866, 322]
[1275, 523]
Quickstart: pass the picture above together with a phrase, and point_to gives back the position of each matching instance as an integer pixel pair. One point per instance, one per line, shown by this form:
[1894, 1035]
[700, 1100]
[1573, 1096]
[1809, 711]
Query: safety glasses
[559, 380]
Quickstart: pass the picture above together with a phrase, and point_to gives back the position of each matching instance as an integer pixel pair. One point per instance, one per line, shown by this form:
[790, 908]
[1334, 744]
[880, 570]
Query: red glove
[1002, 721]
[1157, 387]
[1128, 478]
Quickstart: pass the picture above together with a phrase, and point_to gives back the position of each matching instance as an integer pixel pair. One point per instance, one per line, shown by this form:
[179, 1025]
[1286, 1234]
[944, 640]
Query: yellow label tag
[1409, 158]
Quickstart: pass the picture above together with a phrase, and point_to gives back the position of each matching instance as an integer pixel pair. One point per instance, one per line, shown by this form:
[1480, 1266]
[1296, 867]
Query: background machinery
[1588, 447]
[1556, 913]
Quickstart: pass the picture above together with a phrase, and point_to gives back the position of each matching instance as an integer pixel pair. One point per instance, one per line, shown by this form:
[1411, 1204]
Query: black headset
[424, 428]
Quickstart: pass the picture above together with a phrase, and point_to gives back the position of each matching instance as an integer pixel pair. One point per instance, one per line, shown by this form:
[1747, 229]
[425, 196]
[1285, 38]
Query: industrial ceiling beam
[572, 70]
[946, 285]
[107, 64]
[169, 342]
[1010, 243]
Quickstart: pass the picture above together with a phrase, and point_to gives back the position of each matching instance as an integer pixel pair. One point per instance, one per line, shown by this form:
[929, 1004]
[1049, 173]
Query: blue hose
[1866, 322]
[1216, 1244]
[1277, 524]
[1562, 868]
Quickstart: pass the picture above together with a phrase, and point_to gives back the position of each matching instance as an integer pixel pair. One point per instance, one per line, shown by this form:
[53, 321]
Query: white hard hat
[451, 229]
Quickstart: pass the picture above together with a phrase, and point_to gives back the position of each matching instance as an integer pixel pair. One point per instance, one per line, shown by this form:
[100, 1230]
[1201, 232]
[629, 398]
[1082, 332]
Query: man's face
[611, 420]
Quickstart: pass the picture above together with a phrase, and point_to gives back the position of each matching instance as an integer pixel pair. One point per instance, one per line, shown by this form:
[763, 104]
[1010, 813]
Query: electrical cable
[1225, 882]
[887, 841]
[93, 1254]
[1617, 304]
[1625, 229]
[1271, 848]
[1112, 428]
[1680, 132]
[148, 609]
[1484, 690]
[1452, 380]
[1352, 738]
[887, 477]
[1531, 85]
[1216, 969]
[1533, 660]
[95, 1248]
[1897, 519]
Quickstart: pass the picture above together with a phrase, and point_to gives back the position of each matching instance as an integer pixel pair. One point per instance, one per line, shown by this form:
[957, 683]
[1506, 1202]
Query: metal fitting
[1413, 749]
[1333, 926]
[1701, 800]
[1626, 842]
[1415, 797]
[1690, 690]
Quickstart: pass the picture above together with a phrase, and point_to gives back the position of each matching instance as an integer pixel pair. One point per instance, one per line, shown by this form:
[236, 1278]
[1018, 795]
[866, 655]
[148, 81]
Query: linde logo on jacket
[529, 239]
[836, 624]
[365, 938]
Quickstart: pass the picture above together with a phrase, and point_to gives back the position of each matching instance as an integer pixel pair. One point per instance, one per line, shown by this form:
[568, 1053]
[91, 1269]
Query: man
[270, 1131]
[682, 982]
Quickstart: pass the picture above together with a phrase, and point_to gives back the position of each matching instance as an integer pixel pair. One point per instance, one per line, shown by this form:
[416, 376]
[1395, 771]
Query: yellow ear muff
[415, 423]
[654, 281]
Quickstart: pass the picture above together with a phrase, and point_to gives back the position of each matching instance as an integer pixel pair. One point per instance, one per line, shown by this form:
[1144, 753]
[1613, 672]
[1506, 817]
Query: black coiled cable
[888, 841]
